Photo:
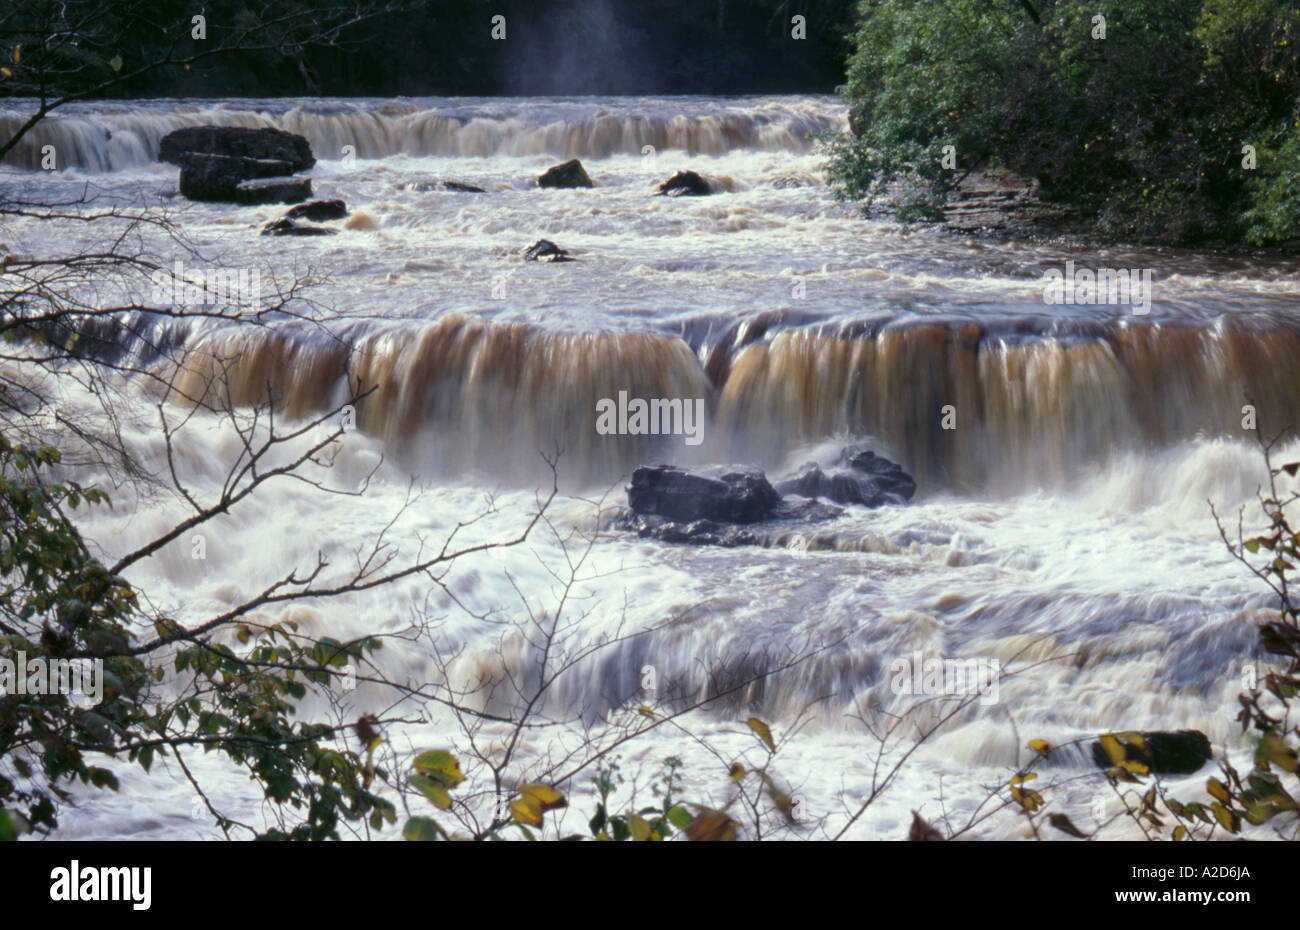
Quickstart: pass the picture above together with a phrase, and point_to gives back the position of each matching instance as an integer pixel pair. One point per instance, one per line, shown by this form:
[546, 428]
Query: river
[1065, 514]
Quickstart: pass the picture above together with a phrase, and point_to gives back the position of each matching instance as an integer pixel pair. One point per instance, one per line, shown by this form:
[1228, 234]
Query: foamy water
[1065, 517]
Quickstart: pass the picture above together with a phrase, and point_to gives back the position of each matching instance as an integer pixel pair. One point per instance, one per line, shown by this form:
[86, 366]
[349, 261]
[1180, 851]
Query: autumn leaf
[1062, 823]
[441, 765]
[710, 826]
[535, 799]
[763, 730]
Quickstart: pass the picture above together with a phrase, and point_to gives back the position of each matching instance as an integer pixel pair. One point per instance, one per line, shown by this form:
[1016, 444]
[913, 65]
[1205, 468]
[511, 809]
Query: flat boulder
[569, 174]
[236, 141]
[721, 494]
[1177, 752]
[318, 211]
[273, 190]
[685, 184]
[215, 177]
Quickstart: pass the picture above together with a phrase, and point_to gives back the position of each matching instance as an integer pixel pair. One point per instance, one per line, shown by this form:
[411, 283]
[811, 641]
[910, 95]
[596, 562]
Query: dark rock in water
[216, 177]
[318, 211]
[569, 174]
[695, 533]
[545, 248]
[724, 495]
[890, 478]
[287, 227]
[786, 183]
[455, 187]
[1180, 752]
[868, 480]
[685, 184]
[238, 142]
[785, 518]
[273, 190]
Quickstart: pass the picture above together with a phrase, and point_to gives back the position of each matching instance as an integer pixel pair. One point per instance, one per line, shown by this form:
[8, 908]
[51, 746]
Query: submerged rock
[287, 227]
[273, 190]
[685, 184]
[1180, 752]
[724, 495]
[569, 174]
[238, 142]
[457, 187]
[462, 188]
[545, 248]
[318, 211]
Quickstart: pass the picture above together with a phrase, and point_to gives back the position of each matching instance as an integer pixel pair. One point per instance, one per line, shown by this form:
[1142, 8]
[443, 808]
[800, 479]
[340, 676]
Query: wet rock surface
[318, 211]
[238, 142]
[569, 174]
[273, 190]
[737, 506]
[685, 184]
[545, 248]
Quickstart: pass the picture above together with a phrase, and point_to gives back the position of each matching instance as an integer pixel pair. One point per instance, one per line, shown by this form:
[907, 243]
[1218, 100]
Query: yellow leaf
[435, 791]
[543, 797]
[711, 826]
[1111, 746]
[1227, 818]
[524, 815]
[1180, 832]
[6, 72]
[1218, 790]
[639, 827]
[534, 800]
[1023, 777]
[764, 732]
[439, 764]
[1122, 773]
[18, 53]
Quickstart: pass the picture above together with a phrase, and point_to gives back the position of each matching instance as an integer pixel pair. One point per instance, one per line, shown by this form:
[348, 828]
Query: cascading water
[1064, 455]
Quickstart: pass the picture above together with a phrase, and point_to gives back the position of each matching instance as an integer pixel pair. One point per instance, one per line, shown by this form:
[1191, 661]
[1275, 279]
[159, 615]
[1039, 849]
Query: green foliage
[1142, 131]
[58, 602]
